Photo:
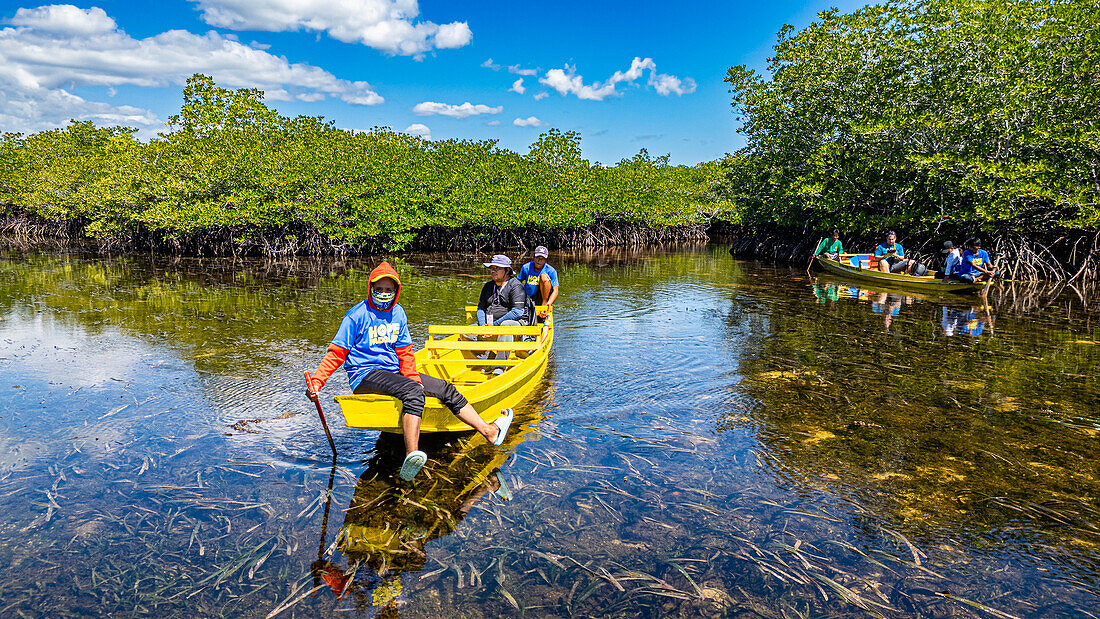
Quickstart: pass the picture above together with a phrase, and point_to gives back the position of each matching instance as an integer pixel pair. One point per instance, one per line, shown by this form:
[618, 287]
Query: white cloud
[493, 123]
[64, 19]
[542, 95]
[467, 109]
[517, 87]
[666, 84]
[50, 50]
[419, 130]
[518, 71]
[489, 64]
[530, 121]
[566, 81]
[385, 25]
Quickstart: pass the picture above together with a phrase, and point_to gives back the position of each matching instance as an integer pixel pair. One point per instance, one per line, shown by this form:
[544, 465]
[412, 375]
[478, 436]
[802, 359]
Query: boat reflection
[972, 321]
[884, 302]
[389, 522]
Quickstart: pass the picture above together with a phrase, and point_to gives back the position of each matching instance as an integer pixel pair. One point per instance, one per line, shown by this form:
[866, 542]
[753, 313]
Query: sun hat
[947, 247]
[542, 252]
[499, 260]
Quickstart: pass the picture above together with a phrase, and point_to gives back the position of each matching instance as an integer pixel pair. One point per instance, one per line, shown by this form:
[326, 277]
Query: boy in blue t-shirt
[976, 265]
[539, 279]
[375, 348]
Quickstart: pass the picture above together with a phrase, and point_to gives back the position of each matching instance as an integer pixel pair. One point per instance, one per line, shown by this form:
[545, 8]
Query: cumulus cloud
[466, 110]
[64, 19]
[489, 64]
[670, 84]
[419, 130]
[542, 95]
[566, 81]
[493, 123]
[49, 50]
[518, 71]
[517, 87]
[385, 25]
[530, 121]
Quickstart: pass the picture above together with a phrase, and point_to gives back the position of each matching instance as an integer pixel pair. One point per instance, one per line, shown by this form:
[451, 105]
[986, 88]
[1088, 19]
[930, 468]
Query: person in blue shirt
[892, 256]
[976, 265]
[374, 347]
[539, 279]
[951, 260]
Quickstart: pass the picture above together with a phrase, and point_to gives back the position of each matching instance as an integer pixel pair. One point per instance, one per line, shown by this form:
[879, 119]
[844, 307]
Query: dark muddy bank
[25, 232]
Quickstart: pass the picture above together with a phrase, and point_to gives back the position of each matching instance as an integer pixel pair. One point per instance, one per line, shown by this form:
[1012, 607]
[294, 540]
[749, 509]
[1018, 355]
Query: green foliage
[916, 112]
[230, 163]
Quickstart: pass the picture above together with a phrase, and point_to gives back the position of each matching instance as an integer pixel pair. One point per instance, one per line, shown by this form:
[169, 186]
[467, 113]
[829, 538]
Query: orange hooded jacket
[336, 355]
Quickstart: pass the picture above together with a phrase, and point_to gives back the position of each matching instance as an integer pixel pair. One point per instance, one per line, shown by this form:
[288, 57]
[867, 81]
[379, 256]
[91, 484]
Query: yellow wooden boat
[450, 356]
[857, 266]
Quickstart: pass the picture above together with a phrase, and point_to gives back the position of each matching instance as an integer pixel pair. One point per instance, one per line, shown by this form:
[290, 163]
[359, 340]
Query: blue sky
[625, 75]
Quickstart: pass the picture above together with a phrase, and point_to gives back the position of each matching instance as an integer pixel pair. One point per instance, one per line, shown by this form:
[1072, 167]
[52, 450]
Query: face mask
[382, 299]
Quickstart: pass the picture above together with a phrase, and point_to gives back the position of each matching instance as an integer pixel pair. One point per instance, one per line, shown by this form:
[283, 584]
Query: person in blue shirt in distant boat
[539, 279]
[831, 247]
[892, 256]
[976, 265]
[951, 261]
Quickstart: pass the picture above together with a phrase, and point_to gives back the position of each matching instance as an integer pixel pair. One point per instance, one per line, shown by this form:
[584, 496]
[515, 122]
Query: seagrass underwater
[711, 437]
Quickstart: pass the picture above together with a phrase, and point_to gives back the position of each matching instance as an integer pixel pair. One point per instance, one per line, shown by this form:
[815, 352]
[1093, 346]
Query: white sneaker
[498, 371]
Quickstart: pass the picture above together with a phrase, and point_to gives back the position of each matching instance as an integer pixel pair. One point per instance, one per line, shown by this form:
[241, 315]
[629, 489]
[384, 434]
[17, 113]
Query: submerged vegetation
[232, 175]
[931, 116]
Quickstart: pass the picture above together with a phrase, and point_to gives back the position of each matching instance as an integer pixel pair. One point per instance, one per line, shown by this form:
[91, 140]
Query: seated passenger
[976, 265]
[540, 280]
[950, 261]
[892, 256]
[374, 346]
[831, 247]
[503, 302]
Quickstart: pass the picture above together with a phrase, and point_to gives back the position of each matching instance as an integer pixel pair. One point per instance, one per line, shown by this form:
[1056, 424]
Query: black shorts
[403, 388]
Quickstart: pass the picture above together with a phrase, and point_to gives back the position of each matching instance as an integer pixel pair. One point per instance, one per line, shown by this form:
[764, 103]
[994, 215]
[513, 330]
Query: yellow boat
[450, 356]
[857, 267]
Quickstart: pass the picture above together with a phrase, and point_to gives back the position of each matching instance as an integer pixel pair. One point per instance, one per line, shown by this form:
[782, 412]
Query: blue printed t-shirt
[370, 337]
[971, 259]
[882, 249]
[529, 277]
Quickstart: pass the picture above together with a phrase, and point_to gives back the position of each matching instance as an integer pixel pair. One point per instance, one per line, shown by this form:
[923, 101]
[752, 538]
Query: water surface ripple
[713, 438]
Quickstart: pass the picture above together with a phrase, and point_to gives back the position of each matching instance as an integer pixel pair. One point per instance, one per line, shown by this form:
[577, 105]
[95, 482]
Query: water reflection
[713, 440]
[389, 523]
[883, 302]
[972, 321]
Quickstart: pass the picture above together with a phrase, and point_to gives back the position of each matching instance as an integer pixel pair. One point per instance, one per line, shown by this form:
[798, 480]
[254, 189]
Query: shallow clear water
[713, 438]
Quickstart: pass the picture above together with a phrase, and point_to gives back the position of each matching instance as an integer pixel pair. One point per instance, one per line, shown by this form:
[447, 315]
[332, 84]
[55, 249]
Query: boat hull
[927, 283]
[453, 359]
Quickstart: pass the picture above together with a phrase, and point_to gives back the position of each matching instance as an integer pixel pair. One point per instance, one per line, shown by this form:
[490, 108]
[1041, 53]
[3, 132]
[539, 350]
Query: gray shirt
[508, 298]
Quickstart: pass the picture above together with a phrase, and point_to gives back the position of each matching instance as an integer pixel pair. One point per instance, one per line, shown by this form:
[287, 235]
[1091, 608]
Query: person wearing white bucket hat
[503, 302]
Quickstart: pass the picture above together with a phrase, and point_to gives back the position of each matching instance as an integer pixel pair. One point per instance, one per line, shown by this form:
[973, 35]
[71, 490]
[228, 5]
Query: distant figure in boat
[831, 247]
[540, 280]
[976, 265]
[892, 256]
[375, 348]
[951, 260]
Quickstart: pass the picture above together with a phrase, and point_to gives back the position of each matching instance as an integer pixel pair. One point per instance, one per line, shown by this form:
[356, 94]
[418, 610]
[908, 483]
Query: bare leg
[883, 265]
[410, 427]
[469, 415]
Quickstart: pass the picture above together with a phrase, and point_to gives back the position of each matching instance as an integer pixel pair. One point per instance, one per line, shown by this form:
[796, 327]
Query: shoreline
[1067, 255]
